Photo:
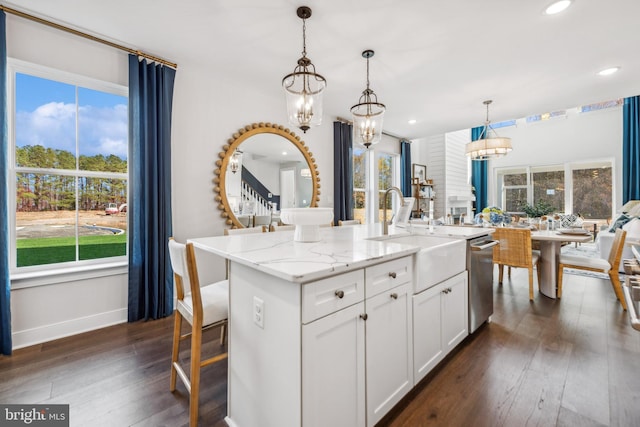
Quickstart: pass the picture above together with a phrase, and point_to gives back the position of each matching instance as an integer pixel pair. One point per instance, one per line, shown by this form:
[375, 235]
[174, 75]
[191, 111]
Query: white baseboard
[67, 328]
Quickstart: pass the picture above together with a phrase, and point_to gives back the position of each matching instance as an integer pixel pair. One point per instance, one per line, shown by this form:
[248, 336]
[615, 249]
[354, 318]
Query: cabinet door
[455, 314]
[389, 350]
[427, 331]
[333, 370]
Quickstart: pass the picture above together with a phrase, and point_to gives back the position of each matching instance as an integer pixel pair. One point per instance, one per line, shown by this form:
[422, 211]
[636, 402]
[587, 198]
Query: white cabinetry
[333, 370]
[340, 386]
[389, 350]
[440, 322]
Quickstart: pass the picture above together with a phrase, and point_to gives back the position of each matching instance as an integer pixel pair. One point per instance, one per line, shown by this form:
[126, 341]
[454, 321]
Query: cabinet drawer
[332, 294]
[387, 275]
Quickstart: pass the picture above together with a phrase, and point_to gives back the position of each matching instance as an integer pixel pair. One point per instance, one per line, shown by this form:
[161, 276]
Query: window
[584, 188]
[359, 184]
[69, 163]
[368, 192]
[592, 186]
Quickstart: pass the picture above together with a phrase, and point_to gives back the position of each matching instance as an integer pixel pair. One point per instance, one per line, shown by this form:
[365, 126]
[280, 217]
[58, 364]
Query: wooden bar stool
[202, 308]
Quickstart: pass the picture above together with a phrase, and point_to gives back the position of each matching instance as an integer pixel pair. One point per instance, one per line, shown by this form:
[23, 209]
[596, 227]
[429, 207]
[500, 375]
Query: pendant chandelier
[303, 87]
[367, 113]
[489, 144]
[234, 163]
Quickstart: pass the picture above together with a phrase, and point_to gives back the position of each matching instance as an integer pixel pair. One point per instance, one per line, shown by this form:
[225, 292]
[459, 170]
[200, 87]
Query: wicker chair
[601, 265]
[514, 250]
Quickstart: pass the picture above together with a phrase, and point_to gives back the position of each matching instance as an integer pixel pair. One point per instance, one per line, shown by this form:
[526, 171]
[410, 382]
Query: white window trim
[568, 169]
[22, 277]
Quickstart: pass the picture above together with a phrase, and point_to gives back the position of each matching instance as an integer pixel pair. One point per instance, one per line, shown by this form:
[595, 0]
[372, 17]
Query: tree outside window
[71, 182]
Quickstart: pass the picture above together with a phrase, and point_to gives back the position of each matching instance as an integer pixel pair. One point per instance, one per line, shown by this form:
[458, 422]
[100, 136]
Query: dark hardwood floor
[571, 362]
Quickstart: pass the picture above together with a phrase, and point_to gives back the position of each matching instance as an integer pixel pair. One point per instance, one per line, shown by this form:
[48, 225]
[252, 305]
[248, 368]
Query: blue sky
[46, 113]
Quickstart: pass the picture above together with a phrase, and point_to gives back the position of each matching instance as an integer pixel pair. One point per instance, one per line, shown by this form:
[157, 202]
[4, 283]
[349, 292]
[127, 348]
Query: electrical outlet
[258, 312]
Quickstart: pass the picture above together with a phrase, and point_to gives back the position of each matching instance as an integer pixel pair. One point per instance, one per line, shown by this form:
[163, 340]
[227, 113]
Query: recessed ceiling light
[284, 153]
[608, 71]
[413, 121]
[557, 7]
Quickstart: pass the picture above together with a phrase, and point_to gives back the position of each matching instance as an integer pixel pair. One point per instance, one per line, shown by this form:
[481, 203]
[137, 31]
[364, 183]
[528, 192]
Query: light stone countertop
[340, 249]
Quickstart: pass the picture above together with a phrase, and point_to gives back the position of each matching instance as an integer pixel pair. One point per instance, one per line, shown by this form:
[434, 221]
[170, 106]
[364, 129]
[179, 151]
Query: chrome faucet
[385, 224]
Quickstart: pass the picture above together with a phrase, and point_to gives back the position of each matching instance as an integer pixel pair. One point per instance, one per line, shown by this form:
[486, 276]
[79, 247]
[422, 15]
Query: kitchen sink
[439, 258]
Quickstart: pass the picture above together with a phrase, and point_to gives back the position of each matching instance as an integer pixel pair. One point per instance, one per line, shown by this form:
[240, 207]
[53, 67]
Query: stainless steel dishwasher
[480, 268]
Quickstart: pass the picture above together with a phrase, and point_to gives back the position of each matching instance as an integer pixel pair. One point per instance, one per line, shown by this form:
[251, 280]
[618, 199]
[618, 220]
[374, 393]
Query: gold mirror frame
[238, 138]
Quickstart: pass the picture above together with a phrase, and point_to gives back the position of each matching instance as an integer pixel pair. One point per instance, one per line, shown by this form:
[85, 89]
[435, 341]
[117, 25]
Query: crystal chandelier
[304, 87]
[489, 144]
[367, 113]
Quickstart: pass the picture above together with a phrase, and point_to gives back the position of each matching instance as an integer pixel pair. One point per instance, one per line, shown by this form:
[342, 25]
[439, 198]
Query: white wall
[206, 112]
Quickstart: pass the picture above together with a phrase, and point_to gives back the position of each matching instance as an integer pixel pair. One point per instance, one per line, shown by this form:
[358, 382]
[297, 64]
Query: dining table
[550, 244]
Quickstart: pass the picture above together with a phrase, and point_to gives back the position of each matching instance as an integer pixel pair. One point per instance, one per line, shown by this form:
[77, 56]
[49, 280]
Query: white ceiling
[435, 61]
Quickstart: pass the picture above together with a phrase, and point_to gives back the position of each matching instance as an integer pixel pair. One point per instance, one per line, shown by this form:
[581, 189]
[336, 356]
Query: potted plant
[541, 208]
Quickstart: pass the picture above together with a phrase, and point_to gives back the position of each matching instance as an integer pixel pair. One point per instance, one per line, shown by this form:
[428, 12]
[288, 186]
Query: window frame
[567, 168]
[55, 272]
[372, 190]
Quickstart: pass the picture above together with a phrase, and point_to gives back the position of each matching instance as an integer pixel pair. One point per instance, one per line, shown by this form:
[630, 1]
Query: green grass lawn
[52, 250]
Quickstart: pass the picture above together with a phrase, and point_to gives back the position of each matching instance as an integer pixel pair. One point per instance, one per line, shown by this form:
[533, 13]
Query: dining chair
[600, 265]
[250, 230]
[514, 250]
[203, 308]
[349, 222]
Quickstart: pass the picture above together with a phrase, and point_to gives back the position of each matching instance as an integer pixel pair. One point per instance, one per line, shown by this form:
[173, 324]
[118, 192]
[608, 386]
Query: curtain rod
[86, 36]
[349, 122]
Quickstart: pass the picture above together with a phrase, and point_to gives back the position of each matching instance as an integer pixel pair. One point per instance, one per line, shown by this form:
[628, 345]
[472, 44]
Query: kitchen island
[323, 333]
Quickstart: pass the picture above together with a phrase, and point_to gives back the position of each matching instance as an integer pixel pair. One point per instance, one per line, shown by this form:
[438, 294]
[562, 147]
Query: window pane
[102, 131]
[45, 219]
[385, 181]
[592, 193]
[360, 198]
[359, 184]
[359, 168]
[515, 199]
[515, 179]
[45, 122]
[549, 186]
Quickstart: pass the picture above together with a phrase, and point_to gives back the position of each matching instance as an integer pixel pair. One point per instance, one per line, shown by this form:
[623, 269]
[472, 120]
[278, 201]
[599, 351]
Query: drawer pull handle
[445, 291]
[394, 295]
[340, 294]
[392, 274]
[364, 316]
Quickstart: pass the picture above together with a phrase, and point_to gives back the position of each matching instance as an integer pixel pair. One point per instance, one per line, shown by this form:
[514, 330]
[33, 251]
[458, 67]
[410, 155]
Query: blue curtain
[342, 172]
[479, 174]
[150, 104]
[631, 149]
[5, 283]
[405, 168]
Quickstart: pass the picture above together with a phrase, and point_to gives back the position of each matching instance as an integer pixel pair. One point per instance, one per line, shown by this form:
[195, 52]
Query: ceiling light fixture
[608, 71]
[234, 163]
[557, 7]
[488, 145]
[413, 121]
[303, 87]
[368, 113]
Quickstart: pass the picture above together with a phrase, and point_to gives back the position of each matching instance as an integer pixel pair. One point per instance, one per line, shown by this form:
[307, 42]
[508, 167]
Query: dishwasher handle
[487, 245]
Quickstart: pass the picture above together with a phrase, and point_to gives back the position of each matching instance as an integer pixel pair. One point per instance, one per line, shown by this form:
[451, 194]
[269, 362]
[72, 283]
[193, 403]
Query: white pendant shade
[484, 149]
[489, 145]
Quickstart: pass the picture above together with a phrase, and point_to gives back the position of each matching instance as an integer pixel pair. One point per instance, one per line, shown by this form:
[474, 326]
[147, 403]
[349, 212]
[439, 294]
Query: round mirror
[264, 168]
